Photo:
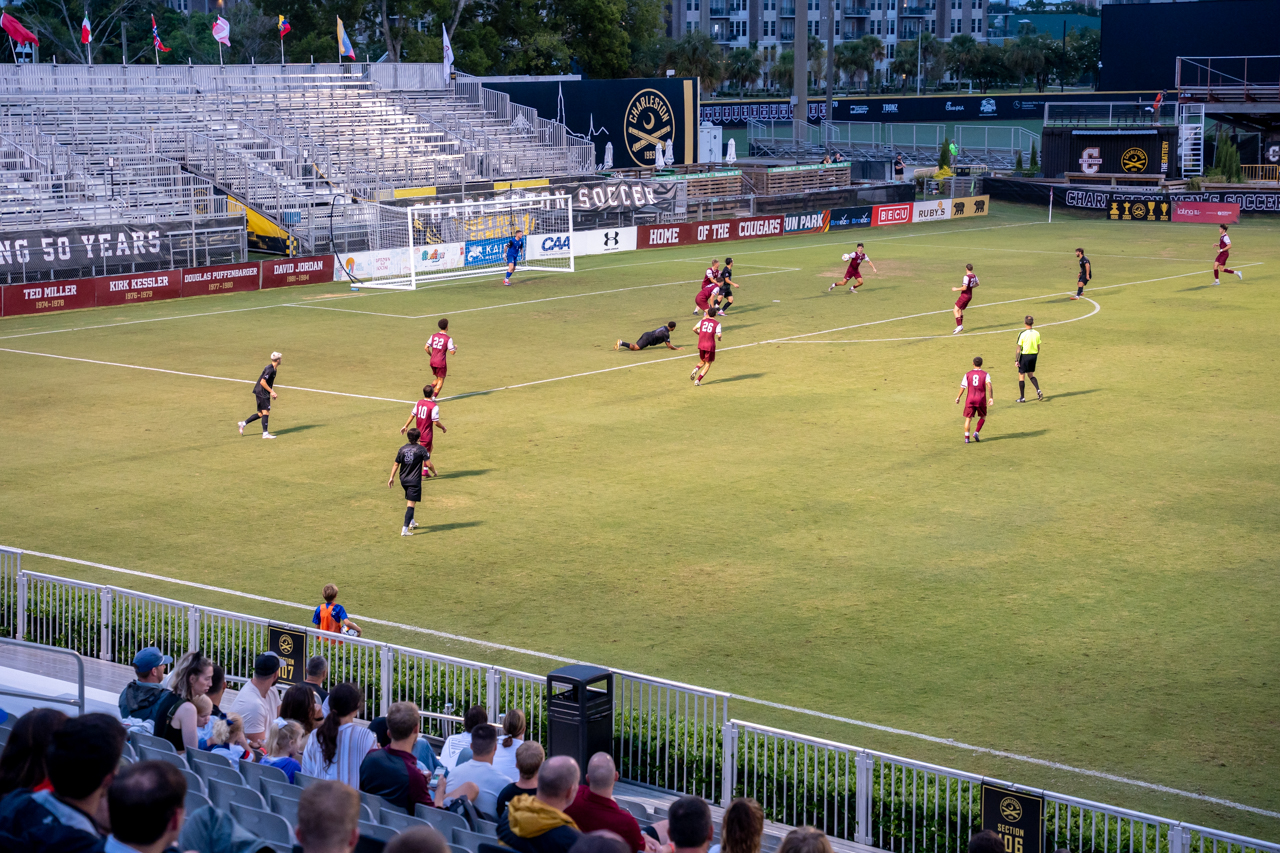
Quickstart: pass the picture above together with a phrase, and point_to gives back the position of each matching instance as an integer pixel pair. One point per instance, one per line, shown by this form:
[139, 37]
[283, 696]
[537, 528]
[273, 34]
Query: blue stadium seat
[264, 824]
[223, 794]
[442, 820]
[194, 782]
[272, 788]
[195, 800]
[146, 753]
[201, 756]
[376, 831]
[209, 772]
[470, 840]
[400, 822]
[285, 807]
[254, 773]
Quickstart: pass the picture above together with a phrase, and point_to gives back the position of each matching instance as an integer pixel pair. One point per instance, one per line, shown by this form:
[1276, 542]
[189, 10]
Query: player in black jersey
[1086, 273]
[263, 393]
[724, 296]
[409, 460]
[660, 335]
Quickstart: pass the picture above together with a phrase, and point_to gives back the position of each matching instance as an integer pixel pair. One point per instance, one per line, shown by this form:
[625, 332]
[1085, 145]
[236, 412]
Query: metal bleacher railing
[675, 737]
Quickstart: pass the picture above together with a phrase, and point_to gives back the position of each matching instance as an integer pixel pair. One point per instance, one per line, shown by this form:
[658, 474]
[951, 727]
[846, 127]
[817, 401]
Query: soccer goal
[405, 247]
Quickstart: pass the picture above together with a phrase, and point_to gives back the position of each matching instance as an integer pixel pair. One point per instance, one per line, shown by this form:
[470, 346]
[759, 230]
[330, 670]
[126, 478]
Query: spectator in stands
[741, 827]
[419, 839]
[284, 745]
[258, 703]
[593, 808]
[204, 720]
[328, 817]
[689, 825]
[480, 771]
[513, 726]
[300, 705]
[808, 839]
[392, 772]
[140, 697]
[529, 758]
[81, 761]
[176, 717]
[338, 746]
[455, 744]
[317, 675]
[216, 689]
[331, 616]
[22, 762]
[146, 805]
[538, 824]
[600, 841]
[986, 841]
[228, 740]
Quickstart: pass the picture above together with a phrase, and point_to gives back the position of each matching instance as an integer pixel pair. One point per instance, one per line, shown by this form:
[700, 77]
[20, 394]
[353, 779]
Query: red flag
[86, 34]
[155, 36]
[16, 31]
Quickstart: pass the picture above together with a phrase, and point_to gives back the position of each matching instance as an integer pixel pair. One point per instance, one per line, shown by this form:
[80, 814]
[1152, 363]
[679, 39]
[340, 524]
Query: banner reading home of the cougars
[693, 233]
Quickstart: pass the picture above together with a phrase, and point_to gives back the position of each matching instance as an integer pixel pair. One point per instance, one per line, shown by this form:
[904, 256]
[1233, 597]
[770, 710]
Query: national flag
[16, 31]
[282, 26]
[448, 48]
[86, 33]
[155, 37]
[344, 43]
[222, 31]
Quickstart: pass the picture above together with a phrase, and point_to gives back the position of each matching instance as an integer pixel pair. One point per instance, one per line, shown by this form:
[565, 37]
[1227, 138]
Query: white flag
[657, 155]
[608, 155]
[222, 31]
[448, 49]
[732, 156]
[670, 158]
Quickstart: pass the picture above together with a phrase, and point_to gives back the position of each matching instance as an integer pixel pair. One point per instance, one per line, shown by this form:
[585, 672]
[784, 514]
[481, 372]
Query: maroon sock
[1228, 272]
[960, 320]
[978, 428]
[1215, 275]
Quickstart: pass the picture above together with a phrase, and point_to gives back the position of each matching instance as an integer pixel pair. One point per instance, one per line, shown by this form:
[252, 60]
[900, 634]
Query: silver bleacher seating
[376, 831]
[262, 823]
[400, 822]
[470, 840]
[204, 757]
[209, 772]
[144, 739]
[147, 753]
[254, 773]
[302, 780]
[194, 782]
[285, 807]
[442, 820]
[195, 800]
[638, 809]
[223, 794]
[487, 827]
[455, 848]
[272, 788]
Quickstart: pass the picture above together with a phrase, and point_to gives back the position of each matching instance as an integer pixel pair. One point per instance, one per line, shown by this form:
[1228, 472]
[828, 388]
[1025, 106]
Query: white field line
[1096, 309]
[1055, 765]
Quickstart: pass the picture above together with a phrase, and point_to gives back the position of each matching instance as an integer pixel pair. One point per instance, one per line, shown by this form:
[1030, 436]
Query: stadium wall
[1110, 201]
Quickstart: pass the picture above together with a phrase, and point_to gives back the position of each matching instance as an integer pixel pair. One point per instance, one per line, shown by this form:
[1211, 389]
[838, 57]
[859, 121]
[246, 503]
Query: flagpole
[219, 53]
[282, 50]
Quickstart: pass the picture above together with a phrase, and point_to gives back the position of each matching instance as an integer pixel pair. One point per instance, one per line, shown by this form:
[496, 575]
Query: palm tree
[784, 70]
[875, 53]
[742, 67]
[904, 62]
[850, 58]
[817, 58]
[961, 54]
[1025, 58]
[696, 55]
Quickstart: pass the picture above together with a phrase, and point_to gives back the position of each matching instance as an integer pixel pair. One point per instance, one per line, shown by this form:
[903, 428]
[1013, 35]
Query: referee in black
[660, 335]
[263, 393]
[409, 461]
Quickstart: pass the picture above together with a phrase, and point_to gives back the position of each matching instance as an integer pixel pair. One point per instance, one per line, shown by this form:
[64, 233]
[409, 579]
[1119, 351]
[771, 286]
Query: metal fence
[667, 735]
[1106, 114]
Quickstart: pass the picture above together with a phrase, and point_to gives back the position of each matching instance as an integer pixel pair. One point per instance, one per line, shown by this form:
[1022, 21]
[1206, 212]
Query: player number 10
[1011, 844]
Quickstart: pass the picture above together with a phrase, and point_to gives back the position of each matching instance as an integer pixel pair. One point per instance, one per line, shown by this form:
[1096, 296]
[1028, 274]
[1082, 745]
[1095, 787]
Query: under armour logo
[610, 238]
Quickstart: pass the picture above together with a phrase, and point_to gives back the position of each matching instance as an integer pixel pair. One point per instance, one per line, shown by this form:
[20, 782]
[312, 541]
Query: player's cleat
[976, 438]
[958, 330]
[1074, 298]
[693, 376]
[267, 435]
[1239, 275]
[697, 383]
[413, 524]
[618, 345]
[404, 531]
[833, 286]
[966, 438]
[1020, 400]
[1039, 394]
[506, 282]
[853, 289]
[1215, 281]
[241, 426]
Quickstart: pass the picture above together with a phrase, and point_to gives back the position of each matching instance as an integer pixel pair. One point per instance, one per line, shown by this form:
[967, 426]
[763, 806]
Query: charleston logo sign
[649, 121]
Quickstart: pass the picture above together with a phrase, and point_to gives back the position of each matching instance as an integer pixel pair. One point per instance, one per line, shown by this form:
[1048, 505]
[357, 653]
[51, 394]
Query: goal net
[408, 246]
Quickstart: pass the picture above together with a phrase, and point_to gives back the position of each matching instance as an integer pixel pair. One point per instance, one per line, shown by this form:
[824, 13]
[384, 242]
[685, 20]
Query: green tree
[1226, 159]
[991, 68]
[961, 54]
[1035, 161]
[645, 23]
[944, 154]
[1025, 58]
[817, 58]
[784, 70]
[849, 58]
[1017, 164]
[903, 66]
[696, 55]
[595, 34]
[742, 67]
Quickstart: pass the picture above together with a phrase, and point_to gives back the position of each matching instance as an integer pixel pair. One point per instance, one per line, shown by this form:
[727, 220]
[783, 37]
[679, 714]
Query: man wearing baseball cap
[140, 698]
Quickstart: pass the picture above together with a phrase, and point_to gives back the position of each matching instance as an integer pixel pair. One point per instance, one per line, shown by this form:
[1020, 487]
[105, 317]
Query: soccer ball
[350, 632]
[844, 257]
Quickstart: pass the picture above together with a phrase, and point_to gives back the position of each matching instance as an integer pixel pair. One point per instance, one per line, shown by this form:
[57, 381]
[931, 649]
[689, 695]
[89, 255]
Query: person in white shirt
[455, 744]
[336, 748]
[258, 702]
[479, 770]
[146, 806]
[504, 760]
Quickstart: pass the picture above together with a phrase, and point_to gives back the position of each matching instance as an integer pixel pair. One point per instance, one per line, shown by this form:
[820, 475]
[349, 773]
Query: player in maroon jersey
[966, 287]
[426, 414]
[709, 331]
[703, 300]
[712, 275]
[1224, 249]
[438, 347]
[857, 258]
[977, 382]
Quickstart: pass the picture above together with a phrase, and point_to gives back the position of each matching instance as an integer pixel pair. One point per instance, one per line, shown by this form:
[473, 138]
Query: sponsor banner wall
[892, 214]
[1206, 211]
[294, 271]
[693, 233]
[539, 246]
[816, 222]
[439, 256]
[228, 278]
[487, 252]
[139, 287]
[931, 211]
[1135, 151]
[42, 298]
[604, 241]
[378, 263]
[1153, 209]
[969, 206]
[850, 217]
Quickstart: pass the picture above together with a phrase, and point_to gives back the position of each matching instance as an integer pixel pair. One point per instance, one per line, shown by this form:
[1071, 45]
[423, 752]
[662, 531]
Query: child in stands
[284, 742]
[204, 724]
[228, 739]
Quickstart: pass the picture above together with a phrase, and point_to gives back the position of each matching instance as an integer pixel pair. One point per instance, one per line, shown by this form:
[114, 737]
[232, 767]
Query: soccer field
[1094, 584]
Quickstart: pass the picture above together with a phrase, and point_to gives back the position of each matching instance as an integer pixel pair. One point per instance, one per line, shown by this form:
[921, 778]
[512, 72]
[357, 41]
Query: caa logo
[892, 214]
[555, 244]
[988, 106]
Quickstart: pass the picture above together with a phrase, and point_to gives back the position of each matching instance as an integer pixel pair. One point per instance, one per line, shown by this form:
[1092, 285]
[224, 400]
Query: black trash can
[580, 712]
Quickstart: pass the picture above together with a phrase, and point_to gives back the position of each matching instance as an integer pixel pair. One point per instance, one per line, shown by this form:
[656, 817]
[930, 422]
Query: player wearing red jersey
[1224, 249]
[709, 331]
[857, 258]
[438, 347]
[426, 416]
[966, 287]
[703, 300]
[977, 383]
[712, 275]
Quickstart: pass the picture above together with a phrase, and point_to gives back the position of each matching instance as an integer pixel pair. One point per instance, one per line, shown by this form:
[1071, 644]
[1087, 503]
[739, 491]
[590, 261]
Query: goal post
[410, 247]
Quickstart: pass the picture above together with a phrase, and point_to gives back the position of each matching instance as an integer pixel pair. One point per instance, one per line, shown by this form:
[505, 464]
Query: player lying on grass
[263, 393]
[410, 460]
[709, 331]
[1086, 273]
[967, 284]
[660, 335]
[724, 296]
[1025, 358]
[439, 345]
[1224, 251]
[515, 248]
[977, 382]
[426, 414]
[855, 260]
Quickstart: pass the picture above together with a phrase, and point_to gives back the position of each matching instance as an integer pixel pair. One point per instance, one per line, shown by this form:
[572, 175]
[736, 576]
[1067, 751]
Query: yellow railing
[1265, 172]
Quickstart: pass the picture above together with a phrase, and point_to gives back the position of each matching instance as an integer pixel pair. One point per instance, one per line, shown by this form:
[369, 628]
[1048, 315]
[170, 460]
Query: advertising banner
[140, 287]
[1205, 211]
[487, 252]
[439, 256]
[615, 196]
[295, 271]
[1154, 208]
[931, 211]
[42, 298]
[816, 222]
[380, 263]
[969, 206]
[604, 241]
[693, 233]
[228, 278]
[539, 246]
[51, 249]
[850, 217]
[892, 214]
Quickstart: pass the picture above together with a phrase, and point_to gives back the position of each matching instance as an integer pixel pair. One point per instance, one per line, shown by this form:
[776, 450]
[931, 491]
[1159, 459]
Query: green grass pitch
[1094, 584]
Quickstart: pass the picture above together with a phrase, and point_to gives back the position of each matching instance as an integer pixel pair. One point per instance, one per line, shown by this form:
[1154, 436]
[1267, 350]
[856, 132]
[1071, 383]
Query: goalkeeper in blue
[515, 248]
